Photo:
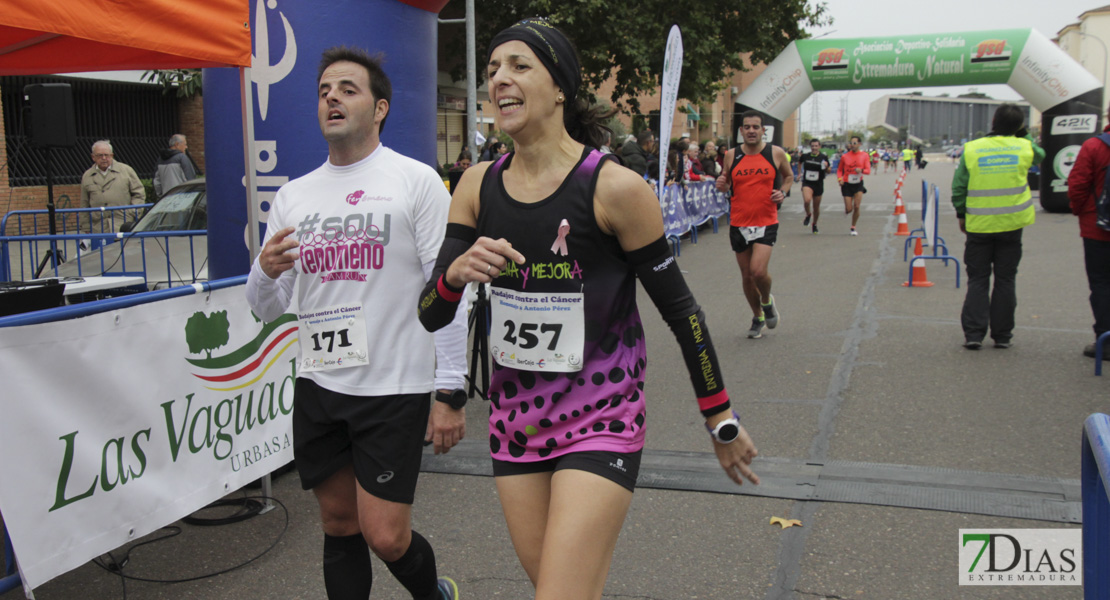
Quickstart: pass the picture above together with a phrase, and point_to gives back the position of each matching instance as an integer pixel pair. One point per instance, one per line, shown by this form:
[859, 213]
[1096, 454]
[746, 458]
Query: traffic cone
[918, 278]
[899, 207]
[903, 225]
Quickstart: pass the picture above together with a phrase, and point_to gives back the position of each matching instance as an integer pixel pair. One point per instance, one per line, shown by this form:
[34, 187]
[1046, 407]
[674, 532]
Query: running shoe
[771, 314]
[806, 221]
[815, 228]
[853, 232]
[756, 331]
[447, 588]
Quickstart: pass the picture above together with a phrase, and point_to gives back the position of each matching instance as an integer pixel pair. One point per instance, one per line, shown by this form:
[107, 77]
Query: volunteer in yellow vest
[990, 192]
[907, 158]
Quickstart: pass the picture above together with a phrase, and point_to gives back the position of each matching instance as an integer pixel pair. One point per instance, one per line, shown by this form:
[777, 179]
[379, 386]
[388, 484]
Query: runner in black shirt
[813, 168]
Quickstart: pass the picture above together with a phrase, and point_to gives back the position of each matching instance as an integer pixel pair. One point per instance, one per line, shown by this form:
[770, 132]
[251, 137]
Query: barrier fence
[1096, 507]
[197, 350]
[686, 207]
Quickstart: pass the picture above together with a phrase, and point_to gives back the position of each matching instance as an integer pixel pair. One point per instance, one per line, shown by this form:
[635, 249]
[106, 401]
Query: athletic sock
[347, 567]
[416, 569]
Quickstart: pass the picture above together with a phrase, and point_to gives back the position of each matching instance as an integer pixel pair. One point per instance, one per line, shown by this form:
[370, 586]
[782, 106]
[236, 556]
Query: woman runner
[561, 235]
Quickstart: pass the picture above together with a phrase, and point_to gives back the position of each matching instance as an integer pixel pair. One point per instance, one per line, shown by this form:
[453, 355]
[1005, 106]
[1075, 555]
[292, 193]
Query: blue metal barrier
[11, 578]
[107, 226]
[1100, 349]
[29, 252]
[1096, 507]
[98, 306]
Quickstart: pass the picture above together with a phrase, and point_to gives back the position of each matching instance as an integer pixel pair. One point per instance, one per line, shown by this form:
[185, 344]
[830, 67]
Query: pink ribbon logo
[560, 245]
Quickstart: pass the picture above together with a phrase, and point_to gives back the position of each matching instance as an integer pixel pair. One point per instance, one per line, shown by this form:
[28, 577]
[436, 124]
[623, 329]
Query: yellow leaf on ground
[784, 523]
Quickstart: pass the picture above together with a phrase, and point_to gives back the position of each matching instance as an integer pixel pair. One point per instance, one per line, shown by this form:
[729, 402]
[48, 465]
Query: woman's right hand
[482, 262]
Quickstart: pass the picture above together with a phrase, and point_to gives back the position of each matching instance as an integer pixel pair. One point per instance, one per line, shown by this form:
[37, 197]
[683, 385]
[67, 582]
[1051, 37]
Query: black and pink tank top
[566, 336]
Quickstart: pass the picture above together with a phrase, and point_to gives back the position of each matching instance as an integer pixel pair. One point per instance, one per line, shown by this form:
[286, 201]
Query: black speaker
[49, 116]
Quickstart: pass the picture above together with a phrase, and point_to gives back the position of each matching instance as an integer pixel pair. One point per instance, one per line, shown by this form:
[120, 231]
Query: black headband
[551, 47]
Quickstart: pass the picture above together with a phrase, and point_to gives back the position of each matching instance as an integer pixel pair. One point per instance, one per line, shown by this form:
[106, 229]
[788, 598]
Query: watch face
[728, 432]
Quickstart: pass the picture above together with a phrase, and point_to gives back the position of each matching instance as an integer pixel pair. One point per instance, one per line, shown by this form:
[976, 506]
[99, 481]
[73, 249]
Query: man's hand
[277, 256]
[446, 426]
[777, 197]
[736, 458]
[962, 228]
[722, 183]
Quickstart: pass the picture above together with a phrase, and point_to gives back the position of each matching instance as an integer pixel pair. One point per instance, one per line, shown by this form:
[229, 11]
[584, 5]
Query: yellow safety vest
[907, 154]
[998, 197]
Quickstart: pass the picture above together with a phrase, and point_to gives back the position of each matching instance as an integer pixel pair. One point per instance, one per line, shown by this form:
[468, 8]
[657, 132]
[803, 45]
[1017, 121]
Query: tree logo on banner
[242, 366]
[206, 333]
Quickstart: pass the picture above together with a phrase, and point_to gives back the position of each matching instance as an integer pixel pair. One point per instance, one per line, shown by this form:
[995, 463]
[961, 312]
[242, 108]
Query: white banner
[114, 425]
[672, 74]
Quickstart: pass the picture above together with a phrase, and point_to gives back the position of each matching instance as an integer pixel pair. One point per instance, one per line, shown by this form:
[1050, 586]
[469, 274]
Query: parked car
[165, 261]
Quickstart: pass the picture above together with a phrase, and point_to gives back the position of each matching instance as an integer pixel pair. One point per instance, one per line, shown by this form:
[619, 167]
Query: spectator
[605, 147]
[692, 170]
[175, 167]
[708, 159]
[108, 183]
[1084, 187]
[463, 163]
[637, 153]
[487, 150]
[993, 203]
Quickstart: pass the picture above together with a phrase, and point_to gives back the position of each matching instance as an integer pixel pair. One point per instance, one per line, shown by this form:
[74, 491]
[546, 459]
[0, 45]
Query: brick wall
[191, 125]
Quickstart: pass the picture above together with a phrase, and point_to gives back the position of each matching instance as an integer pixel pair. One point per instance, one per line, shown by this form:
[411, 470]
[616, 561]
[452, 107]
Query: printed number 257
[526, 337]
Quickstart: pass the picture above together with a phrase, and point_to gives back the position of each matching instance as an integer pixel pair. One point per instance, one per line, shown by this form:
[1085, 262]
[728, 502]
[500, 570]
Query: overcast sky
[874, 18]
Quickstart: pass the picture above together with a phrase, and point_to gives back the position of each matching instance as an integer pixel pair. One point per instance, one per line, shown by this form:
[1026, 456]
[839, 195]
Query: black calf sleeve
[439, 301]
[347, 567]
[416, 569]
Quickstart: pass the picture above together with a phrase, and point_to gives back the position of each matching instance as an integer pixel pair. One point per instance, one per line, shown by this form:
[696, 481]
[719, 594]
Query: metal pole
[250, 181]
[471, 83]
[471, 79]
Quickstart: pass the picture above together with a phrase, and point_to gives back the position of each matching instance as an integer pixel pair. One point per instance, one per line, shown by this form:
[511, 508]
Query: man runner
[759, 177]
[369, 223]
[854, 164]
[814, 167]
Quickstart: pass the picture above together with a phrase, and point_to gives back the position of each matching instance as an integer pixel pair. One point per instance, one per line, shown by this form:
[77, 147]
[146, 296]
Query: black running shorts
[620, 468]
[382, 436]
[739, 244]
[818, 187]
[851, 189]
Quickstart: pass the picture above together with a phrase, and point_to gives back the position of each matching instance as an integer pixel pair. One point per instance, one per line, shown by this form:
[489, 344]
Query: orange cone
[903, 225]
[899, 207]
[918, 278]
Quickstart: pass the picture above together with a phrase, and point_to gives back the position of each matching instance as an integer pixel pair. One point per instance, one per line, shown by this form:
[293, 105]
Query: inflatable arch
[1069, 98]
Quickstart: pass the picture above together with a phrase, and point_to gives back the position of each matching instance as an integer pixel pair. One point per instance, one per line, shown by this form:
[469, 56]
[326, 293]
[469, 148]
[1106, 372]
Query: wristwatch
[456, 399]
[726, 431]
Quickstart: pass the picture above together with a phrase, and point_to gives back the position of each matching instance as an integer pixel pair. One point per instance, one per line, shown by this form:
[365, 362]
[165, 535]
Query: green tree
[205, 333]
[625, 41]
[186, 83]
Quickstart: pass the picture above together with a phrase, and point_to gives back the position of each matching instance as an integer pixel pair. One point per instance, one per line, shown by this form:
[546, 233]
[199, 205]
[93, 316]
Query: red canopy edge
[62, 36]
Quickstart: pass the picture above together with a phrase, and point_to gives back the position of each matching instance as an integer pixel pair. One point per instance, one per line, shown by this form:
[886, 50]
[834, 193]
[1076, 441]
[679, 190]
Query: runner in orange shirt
[854, 164]
[758, 177]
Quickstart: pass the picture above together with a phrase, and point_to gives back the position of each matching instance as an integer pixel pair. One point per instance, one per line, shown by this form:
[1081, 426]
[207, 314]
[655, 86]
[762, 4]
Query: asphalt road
[876, 429]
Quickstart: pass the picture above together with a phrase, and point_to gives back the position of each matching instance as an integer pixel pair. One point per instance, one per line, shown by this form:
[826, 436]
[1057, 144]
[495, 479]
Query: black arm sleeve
[659, 273]
[439, 300]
